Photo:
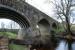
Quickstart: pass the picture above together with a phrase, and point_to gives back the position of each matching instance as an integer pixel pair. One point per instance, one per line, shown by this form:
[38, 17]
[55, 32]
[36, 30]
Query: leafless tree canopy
[2, 25]
[65, 10]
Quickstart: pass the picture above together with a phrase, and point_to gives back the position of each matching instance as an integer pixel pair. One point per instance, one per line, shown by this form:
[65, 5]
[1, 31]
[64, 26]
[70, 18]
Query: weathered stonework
[28, 16]
[4, 43]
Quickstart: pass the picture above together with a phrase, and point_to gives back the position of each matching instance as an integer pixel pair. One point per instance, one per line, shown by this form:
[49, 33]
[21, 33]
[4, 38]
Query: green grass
[17, 47]
[8, 34]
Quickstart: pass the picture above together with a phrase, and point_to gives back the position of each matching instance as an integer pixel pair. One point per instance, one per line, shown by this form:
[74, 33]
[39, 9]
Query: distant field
[8, 34]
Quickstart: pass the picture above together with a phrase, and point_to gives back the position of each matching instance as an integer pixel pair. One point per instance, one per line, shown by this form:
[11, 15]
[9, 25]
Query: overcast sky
[42, 5]
[7, 24]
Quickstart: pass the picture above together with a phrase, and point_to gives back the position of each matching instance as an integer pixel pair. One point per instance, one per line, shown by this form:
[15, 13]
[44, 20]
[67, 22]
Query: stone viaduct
[32, 21]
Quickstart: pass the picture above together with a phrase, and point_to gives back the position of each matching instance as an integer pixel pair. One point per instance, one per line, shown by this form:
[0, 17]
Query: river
[64, 46]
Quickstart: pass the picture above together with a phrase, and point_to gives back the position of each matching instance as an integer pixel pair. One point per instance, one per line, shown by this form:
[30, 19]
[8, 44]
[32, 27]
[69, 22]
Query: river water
[64, 46]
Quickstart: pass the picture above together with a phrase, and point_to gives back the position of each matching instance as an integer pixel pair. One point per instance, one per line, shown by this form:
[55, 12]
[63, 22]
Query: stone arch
[44, 27]
[18, 6]
[15, 16]
[9, 14]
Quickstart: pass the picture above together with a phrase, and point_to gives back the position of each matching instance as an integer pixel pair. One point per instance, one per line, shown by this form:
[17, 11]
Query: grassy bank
[8, 34]
[17, 47]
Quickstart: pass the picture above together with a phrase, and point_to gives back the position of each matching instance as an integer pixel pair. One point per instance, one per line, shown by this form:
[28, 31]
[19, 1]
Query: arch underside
[44, 30]
[44, 26]
[54, 25]
[15, 8]
[9, 14]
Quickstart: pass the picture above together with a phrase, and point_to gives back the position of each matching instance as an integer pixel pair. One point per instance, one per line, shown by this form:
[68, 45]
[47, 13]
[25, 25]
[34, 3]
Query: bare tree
[2, 25]
[12, 25]
[65, 11]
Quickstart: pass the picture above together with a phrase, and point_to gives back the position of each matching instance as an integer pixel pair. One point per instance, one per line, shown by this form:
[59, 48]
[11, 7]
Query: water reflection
[62, 46]
[73, 46]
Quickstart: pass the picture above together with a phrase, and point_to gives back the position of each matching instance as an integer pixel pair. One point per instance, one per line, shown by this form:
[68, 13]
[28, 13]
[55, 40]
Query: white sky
[42, 5]
[5, 20]
[7, 24]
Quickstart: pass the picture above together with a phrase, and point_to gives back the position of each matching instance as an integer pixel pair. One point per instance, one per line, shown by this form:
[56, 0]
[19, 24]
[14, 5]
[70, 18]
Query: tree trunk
[68, 26]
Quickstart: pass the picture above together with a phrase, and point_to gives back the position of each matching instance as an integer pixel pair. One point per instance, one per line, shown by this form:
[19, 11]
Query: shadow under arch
[44, 27]
[54, 25]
